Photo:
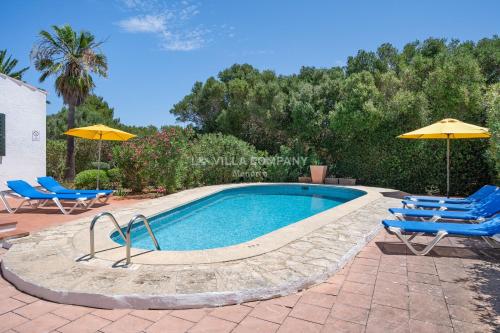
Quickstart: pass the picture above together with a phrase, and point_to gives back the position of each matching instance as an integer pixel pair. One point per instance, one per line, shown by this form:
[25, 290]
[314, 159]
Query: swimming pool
[236, 215]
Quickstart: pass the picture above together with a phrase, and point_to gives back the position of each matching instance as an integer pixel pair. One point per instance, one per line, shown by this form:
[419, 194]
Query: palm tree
[71, 57]
[7, 66]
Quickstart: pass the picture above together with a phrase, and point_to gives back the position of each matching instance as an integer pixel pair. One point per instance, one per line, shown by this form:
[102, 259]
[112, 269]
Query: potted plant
[318, 171]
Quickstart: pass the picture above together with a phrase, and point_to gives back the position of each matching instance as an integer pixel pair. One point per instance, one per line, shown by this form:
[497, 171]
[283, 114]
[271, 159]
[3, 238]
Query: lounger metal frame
[82, 203]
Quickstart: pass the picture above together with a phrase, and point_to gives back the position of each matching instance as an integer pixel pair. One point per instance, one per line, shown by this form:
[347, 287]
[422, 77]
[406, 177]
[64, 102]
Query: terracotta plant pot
[318, 173]
[304, 179]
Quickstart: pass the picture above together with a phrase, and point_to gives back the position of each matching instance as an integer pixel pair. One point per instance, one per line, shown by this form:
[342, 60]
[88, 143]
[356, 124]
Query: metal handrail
[137, 218]
[92, 225]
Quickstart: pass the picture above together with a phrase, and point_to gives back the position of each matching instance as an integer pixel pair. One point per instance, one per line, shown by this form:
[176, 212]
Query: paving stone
[427, 269]
[111, 314]
[361, 277]
[71, 312]
[391, 299]
[424, 278]
[47, 322]
[25, 298]
[387, 319]
[357, 268]
[358, 288]
[429, 309]
[359, 300]
[288, 301]
[310, 312]
[7, 291]
[127, 324]
[349, 313]
[213, 325]
[342, 326]
[366, 262]
[318, 299]
[151, 315]
[10, 320]
[270, 312]
[473, 316]
[464, 327]
[294, 325]
[425, 288]
[37, 309]
[394, 269]
[417, 326]
[395, 278]
[170, 324]
[234, 313]
[253, 325]
[9, 304]
[86, 324]
[193, 315]
[326, 288]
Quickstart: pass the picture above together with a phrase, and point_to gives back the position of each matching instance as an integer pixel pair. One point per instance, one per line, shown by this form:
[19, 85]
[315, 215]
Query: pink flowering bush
[155, 160]
[176, 158]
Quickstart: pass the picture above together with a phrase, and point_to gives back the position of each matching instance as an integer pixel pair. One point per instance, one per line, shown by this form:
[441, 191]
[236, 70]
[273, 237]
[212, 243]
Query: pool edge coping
[108, 250]
[180, 301]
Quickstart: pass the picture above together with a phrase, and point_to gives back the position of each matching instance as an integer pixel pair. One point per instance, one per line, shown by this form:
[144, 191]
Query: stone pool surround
[52, 264]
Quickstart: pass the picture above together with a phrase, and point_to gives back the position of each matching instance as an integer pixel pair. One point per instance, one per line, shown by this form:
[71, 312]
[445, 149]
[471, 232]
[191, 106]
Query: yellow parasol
[99, 132]
[448, 129]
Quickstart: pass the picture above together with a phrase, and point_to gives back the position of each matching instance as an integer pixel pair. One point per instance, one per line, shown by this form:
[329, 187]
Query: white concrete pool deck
[297, 256]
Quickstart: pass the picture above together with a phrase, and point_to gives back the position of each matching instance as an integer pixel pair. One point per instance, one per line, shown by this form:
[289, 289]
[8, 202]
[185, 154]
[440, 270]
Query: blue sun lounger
[35, 198]
[479, 212]
[445, 206]
[490, 228]
[474, 197]
[53, 186]
[437, 206]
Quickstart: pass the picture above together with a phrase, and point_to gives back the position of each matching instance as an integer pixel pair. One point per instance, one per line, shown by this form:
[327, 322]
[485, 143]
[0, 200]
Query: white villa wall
[24, 107]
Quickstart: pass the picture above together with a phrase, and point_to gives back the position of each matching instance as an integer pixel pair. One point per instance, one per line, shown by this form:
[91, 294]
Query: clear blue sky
[157, 49]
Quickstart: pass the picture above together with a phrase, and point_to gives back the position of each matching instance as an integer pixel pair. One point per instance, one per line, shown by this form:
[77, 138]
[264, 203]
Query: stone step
[6, 226]
[16, 233]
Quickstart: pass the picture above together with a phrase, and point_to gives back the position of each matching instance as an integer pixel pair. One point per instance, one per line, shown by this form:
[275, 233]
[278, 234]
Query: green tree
[349, 117]
[72, 58]
[7, 66]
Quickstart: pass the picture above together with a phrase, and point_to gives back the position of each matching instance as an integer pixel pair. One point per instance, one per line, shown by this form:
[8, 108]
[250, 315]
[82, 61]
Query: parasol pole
[99, 160]
[448, 165]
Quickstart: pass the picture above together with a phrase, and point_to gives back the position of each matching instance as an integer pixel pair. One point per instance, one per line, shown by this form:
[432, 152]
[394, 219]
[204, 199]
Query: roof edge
[21, 83]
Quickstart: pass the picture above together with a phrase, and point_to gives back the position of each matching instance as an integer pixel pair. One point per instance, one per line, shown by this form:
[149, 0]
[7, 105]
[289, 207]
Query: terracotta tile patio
[31, 220]
[384, 289]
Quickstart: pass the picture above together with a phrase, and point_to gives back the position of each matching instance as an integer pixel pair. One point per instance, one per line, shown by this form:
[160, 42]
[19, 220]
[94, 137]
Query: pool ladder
[126, 237]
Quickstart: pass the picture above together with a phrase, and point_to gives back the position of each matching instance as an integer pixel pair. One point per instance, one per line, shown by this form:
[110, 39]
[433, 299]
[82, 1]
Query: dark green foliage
[219, 159]
[95, 110]
[87, 179]
[55, 153]
[349, 117]
[115, 176]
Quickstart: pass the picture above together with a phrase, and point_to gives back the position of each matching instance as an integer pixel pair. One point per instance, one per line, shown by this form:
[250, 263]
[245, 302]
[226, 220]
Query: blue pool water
[236, 215]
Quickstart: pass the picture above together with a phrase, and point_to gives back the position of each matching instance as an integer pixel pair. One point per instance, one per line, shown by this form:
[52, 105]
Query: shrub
[100, 165]
[115, 175]
[155, 160]
[218, 159]
[56, 158]
[87, 179]
[293, 164]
